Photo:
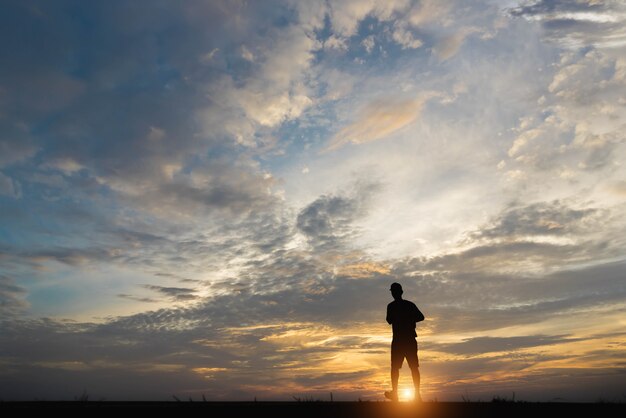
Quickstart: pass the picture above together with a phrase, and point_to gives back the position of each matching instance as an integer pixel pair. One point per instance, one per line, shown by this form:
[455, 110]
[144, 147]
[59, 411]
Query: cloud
[577, 128]
[461, 296]
[246, 54]
[207, 57]
[12, 296]
[278, 91]
[136, 298]
[39, 255]
[544, 218]
[227, 184]
[221, 186]
[363, 270]
[619, 188]
[16, 149]
[175, 293]
[429, 11]
[64, 164]
[583, 79]
[579, 23]
[328, 221]
[346, 15]
[334, 42]
[9, 187]
[327, 218]
[380, 119]
[368, 43]
[484, 345]
[405, 38]
[311, 14]
[450, 45]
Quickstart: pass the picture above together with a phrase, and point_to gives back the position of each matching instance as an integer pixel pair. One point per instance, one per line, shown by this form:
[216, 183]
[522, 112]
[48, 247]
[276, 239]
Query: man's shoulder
[409, 303]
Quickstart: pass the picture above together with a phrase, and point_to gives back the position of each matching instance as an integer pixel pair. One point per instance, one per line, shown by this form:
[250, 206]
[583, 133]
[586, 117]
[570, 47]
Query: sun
[406, 394]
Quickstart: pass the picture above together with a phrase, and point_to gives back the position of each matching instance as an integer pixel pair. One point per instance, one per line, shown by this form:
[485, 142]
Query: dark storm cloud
[544, 218]
[327, 221]
[510, 256]
[327, 218]
[174, 293]
[578, 23]
[552, 6]
[485, 300]
[481, 345]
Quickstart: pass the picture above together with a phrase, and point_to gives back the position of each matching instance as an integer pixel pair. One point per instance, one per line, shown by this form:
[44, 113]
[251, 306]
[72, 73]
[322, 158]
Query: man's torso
[403, 316]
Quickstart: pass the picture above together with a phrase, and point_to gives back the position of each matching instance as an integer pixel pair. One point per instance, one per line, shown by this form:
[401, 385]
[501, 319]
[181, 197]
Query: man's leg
[415, 372]
[397, 357]
[414, 364]
[395, 376]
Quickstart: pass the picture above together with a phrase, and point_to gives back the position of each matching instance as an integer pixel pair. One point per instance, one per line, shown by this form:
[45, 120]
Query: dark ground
[329, 409]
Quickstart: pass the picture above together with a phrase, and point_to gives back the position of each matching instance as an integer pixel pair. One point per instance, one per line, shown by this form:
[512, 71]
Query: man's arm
[419, 316]
[389, 318]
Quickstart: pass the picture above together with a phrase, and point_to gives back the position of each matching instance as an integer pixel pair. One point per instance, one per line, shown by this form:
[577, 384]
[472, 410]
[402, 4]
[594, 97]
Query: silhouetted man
[403, 315]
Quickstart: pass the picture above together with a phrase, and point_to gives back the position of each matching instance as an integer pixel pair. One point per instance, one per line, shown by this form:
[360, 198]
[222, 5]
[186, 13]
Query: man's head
[396, 290]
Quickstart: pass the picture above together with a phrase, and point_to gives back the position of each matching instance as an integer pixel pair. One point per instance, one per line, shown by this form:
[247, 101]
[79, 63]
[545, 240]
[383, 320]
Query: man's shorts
[401, 349]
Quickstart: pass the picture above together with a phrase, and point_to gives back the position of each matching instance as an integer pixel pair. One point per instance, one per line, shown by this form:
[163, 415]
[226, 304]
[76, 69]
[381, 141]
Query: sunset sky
[213, 197]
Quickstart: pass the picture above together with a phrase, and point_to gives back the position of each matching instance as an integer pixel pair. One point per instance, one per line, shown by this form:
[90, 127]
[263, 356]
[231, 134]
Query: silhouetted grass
[308, 406]
[306, 399]
[498, 399]
[84, 397]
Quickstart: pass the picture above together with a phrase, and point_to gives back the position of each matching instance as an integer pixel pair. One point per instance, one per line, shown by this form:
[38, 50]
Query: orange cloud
[380, 119]
[362, 270]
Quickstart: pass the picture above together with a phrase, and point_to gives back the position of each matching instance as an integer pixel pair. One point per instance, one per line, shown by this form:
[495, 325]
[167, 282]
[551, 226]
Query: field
[330, 409]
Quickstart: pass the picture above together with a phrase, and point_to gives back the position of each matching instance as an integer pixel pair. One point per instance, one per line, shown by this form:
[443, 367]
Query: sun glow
[406, 395]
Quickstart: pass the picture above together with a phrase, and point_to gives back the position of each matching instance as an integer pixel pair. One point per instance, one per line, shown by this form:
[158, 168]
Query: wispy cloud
[484, 345]
[136, 298]
[579, 23]
[175, 293]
